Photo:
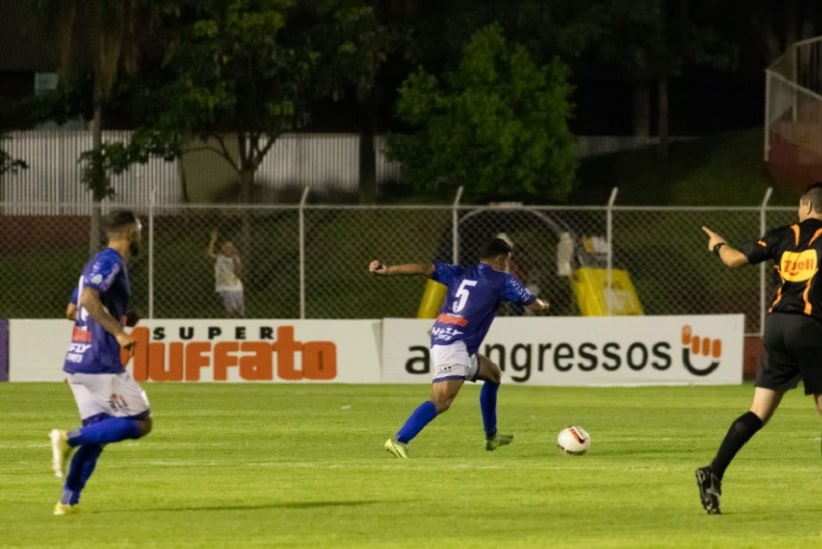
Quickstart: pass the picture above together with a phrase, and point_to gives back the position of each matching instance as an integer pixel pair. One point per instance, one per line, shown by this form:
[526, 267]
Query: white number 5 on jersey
[462, 294]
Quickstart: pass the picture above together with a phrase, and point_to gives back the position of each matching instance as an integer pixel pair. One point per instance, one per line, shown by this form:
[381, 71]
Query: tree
[100, 35]
[236, 78]
[497, 125]
[643, 41]
[7, 162]
[768, 29]
[380, 33]
[651, 42]
[235, 75]
[248, 71]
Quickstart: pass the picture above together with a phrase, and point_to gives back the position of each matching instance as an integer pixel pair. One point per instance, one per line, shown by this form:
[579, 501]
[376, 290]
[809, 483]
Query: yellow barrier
[589, 285]
[432, 299]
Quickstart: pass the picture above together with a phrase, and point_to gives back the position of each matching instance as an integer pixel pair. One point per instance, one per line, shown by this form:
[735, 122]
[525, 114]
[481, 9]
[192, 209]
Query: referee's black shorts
[793, 351]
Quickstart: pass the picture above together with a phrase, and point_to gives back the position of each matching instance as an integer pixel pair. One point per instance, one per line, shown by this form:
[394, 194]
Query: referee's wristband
[718, 246]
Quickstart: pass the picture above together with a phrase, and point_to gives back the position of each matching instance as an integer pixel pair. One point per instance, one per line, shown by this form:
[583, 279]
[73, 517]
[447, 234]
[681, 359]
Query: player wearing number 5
[473, 297]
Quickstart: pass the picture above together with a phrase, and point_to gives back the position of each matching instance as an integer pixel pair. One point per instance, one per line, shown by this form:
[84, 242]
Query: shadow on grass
[230, 507]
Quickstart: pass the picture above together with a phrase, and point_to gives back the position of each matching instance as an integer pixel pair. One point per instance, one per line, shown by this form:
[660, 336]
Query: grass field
[303, 465]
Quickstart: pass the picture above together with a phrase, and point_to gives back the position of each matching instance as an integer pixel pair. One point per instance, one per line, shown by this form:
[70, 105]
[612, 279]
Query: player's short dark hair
[496, 247]
[813, 195]
[119, 221]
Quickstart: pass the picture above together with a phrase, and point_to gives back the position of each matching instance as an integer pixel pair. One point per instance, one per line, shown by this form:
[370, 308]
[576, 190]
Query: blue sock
[113, 429]
[422, 416]
[82, 466]
[488, 406]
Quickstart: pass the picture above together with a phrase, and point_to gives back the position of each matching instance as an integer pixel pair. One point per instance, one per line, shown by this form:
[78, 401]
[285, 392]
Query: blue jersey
[474, 295]
[93, 349]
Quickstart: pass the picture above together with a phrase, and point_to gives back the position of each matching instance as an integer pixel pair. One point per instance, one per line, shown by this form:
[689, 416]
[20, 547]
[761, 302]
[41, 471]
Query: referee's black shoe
[710, 488]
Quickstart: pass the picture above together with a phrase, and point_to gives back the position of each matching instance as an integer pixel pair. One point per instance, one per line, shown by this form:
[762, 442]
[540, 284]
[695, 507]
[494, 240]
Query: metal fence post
[609, 254]
[455, 224]
[763, 307]
[151, 202]
[302, 251]
[766, 149]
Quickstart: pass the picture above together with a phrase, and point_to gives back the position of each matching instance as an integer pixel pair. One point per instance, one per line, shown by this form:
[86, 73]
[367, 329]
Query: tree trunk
[642, 109]
[663, 117]
[368, 168]
[96, 205]
[368, 156]
[183, 180]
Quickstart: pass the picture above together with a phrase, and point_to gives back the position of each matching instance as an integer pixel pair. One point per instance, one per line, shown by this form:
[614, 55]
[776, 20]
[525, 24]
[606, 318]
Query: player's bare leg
[444, 392]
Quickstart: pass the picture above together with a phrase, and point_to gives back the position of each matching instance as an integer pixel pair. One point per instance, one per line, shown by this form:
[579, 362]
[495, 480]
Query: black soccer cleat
[710, 488]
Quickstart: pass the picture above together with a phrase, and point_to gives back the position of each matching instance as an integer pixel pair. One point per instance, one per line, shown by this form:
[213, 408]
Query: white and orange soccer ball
[574, 440]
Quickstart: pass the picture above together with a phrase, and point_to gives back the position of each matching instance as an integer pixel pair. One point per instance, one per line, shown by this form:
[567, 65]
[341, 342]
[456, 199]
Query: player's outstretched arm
[377, 267]
[729, 255]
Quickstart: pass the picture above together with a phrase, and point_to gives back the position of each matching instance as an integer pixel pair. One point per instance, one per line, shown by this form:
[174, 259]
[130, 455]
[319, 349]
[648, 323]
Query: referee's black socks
[741, 431]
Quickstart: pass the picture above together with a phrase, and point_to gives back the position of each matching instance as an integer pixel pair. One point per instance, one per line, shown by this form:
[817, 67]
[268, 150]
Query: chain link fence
[310, 261]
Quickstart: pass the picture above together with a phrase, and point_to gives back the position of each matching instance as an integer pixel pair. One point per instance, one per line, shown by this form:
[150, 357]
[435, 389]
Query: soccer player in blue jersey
[470, 305]
[112, 406]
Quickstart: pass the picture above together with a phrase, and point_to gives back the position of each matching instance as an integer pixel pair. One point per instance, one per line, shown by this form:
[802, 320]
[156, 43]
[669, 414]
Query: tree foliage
[237, 74]
[7, 162]
[496, 126]
[101, 37]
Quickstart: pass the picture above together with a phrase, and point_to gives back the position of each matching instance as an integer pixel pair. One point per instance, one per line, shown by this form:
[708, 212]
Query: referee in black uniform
[793, 329]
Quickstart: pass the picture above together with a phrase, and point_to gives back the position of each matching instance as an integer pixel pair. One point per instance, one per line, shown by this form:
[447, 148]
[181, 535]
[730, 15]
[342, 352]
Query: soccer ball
[573, 440]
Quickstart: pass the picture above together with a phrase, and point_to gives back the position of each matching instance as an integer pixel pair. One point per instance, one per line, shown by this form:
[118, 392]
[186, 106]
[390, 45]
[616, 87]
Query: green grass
[303, 466]
[721, 170]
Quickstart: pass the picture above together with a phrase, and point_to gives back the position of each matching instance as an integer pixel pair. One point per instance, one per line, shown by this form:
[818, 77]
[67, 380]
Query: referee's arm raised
[729, 255]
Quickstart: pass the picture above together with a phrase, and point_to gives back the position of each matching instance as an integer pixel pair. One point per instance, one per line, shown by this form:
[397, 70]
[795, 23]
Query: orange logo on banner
[253, 360]
[798, 267]
[696, 345]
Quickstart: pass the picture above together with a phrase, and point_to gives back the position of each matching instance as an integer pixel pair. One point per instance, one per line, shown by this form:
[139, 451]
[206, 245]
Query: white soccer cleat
[60, 452]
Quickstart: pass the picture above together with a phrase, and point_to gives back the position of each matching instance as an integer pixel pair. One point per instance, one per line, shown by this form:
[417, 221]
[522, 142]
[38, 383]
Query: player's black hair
[119, 221]
[813, 195]
[496, 247]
